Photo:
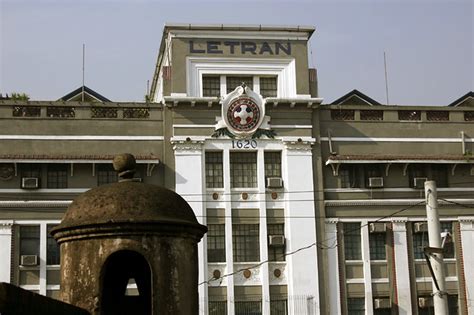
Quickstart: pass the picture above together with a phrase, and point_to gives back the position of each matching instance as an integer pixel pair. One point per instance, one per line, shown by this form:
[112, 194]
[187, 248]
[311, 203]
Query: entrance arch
[119, 269]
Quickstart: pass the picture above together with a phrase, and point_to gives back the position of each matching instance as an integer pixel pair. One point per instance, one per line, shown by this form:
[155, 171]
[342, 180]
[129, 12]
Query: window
[31, 170]
[428, 308]
[57, 176]
[246, 243]
[279, 306]
[356, 306]
[52, 250]
[268, 86]
[348, 176]
[243, 169]
[214, 170]
[216, 243]
[211, 85]
[421, 239]
[437, 115]
[352, 243]
[217, 307]
[248, 307]
[29, 240]
[409, 115]
[106, 174]
[453, 307]
[416, 171]
[342, 114]
[373, 170]
[276, 252]
[469, 116]
[448, 249]
[439, 173]
[272, 164]
[235, 81]
[377, 243]
[371, 115]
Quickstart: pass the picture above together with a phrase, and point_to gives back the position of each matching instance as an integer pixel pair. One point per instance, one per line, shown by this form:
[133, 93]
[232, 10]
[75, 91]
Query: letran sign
[239, 47]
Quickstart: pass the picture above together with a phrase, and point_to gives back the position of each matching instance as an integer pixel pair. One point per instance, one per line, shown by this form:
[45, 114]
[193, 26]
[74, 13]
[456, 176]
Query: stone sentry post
[130, 230]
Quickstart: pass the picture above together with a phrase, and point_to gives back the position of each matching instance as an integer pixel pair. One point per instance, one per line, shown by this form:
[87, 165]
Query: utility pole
[434, 251]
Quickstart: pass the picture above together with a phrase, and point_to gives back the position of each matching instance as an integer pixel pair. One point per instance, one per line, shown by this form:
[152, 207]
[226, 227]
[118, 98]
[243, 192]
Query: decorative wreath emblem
[243, 114]
[6, 171]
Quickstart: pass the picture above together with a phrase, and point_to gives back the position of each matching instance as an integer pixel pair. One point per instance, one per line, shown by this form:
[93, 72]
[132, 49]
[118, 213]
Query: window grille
[279, 307]
[246, 242]
[342, 114]
[348, 176]
[453, 304]
[214, 170]
[371, 115]
[421, 240]
[106, 174]
[268, 86]
[276, 253]
[272, 164]
[31, 170]
[53, 250]
[248, 307]
[211, 86]
[57, 176]
[356, 306]
[377, 243]
[216, 243]
[103, 112]
[437, 115]
[469, 116]
[352, 243]
[29, 240]
[243, 169]
[60, 112]
[136, 113]
[26, 111]
[217, 307]
[409, 115]
[233, 82]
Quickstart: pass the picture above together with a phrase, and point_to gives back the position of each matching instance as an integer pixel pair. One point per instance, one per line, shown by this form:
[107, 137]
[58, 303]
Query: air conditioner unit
[425, 302]
[377, 227]
[375, 182]
[382, 303]
[274, 182]
[420, 227]
[29, 260]
[276, 240]
[137, 179]
[419, 182]
[29, 182]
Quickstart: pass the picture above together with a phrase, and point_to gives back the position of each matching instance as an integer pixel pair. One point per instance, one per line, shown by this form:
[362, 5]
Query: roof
[70, 158]
[447, 158]
[355, 97]
[87, 91]
[467, 99]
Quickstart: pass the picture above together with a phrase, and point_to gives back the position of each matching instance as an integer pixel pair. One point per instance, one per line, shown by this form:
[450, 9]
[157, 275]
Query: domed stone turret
[129, 232]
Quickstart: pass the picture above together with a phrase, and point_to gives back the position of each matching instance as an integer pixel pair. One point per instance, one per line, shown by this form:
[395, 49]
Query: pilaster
[5, 250]
[402, 266]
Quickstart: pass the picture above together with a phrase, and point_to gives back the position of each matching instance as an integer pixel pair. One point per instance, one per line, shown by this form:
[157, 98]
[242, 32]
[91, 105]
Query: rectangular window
[426, 307]
[214, 170]
[416, 171]
[437, 115]
[243, 169]
[371, 115]
[248, 307]
[52, 251]
[272, 164]
[106, 174]
[342, 114]
[348, 176]
[268, 86]
[31, 170]
[216, 243]
[409, 115]
[235, 81]
[217, 307]
[377, 243]
[57, 176]
[448, 249]
[211, 85]
[453, 307]
[279, 306]
[352, 242]
[29, 240]
[276, 250]
[246, 242]
[469, 116]
[421, 239]
[356, 306]
[373, 171]
[439, 173]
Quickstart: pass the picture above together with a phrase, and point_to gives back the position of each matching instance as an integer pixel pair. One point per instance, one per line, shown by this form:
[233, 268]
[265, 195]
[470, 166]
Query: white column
[190, 183]
[333, 267]
[42, 258]
[466, 225]
[5, 250]
[300, 227]
[369, 304]
[229, 255]
[401, 266]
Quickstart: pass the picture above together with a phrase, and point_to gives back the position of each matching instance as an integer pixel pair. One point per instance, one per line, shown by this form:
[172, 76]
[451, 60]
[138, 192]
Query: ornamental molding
[35, 203]
[299, 144]
[187, 144]
[332, 220]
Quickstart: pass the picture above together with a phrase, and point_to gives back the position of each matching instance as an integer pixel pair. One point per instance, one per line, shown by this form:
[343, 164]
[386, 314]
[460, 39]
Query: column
[42, 258]
[333, 269]
[190, 183]
[369, 304]
[300, 228]
[5, 250]
[402, 271]
[466, 225]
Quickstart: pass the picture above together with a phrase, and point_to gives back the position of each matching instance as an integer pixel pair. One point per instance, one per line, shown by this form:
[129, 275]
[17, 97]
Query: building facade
[311, 208]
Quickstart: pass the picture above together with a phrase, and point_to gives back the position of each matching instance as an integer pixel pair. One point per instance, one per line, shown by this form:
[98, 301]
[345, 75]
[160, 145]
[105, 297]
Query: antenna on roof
[386, 77]
[83, 68]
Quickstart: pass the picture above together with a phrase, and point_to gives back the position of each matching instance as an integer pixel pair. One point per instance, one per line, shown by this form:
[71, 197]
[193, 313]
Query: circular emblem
[243, 114]
[6, 171]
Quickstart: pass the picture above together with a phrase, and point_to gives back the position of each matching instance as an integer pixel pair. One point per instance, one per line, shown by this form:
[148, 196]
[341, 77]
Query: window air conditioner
[375, 182]
[274, 182]
[421, 227]
[419, 182]
[425, 302]
[276, 240]
[29, 182]
[382, 303]
[377, 227]
[29, 260]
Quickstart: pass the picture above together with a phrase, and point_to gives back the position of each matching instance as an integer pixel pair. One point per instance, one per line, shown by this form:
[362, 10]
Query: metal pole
[440, 298]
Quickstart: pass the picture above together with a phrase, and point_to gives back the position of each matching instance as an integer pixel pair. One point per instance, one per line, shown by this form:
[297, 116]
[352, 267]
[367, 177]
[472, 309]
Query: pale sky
[429, 44]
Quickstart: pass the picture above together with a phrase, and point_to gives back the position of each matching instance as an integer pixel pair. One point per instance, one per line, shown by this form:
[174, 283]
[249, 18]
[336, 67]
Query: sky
[429, 44]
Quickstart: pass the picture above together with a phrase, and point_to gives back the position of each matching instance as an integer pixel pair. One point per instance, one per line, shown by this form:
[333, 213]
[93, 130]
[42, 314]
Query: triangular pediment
[355, 97]
[466, 100]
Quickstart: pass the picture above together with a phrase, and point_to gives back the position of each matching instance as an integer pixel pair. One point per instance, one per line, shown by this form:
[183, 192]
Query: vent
[419, 182]
[276, 240]
[29, 182]
[425, 302]
[274, 182]
[375, 182]
[382, 303]
[421, 227]
[377, 227]
[29, 260]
